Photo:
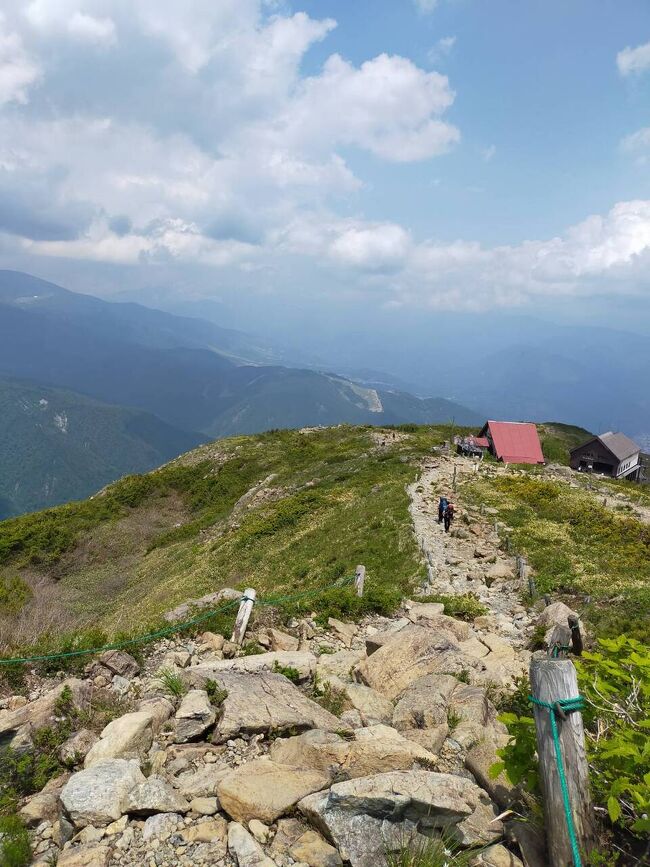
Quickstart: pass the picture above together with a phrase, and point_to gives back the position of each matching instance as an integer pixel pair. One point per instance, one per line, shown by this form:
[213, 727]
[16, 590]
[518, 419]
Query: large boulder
[263, 702]
[337, 664]
[194, 716]
[345, 632]
[281, 640]
[480, 758]
[159, 708]
[475, 713]
[421, 712]
[96, 795]
[405, 800]
[303, 663]
[154, 795]
[372, 705]
[310, 848]
[202, 783]
[246, 851]
[93, 855]
[263, 789]
[15, 725]
[128, 737]
[376, 749]
[414, 652]
[43, 807]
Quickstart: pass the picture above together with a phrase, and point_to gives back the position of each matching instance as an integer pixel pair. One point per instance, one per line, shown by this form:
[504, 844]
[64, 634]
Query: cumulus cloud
[18, 71]
[632, 61]
[68, 18]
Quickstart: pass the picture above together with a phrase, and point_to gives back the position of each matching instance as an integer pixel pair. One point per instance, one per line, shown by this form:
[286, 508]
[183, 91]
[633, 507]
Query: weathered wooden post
[359, 578]
[576, 637]
[453, 482]
[563, 768]
[532, 587]
[243, 615]
[521, 567]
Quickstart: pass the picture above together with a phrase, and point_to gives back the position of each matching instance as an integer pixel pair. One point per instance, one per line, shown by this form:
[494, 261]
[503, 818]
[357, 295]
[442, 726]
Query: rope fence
[271, 602]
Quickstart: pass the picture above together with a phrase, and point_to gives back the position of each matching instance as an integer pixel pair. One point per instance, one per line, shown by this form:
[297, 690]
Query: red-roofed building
[513, 442]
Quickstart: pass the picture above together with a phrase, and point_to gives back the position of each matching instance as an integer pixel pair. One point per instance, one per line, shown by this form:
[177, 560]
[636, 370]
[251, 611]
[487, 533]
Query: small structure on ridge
[610, 454]
[513, 442]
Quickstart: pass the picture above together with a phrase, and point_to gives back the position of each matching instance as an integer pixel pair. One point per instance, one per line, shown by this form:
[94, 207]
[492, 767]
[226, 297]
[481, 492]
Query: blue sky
[407, 154]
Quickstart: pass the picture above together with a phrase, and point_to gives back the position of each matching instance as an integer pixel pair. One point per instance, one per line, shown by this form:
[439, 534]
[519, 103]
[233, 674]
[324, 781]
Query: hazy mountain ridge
[136, 360]
[57, 446]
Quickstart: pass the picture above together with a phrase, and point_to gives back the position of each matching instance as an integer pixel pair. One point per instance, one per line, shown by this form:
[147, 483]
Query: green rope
[178, 627]
[558, 708]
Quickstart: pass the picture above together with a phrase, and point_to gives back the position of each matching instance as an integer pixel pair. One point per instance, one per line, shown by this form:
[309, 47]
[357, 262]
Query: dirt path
[468, 559]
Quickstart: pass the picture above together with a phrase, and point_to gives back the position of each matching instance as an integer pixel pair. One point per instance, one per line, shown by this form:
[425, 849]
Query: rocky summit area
[332, 743]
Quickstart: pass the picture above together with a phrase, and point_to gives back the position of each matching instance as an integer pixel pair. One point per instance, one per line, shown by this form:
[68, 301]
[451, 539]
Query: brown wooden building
[610, 454]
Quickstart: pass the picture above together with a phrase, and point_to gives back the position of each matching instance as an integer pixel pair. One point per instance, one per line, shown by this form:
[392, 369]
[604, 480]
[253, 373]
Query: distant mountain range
[57, 445]
[140, 386]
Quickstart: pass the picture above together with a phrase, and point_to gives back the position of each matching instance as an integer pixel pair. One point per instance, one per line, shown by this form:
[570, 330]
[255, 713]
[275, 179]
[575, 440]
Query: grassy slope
[336, 498]
[150, 542]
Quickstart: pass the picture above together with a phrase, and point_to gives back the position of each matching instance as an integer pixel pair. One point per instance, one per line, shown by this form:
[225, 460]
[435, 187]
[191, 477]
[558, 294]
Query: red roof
[482, 442]
[515, 442]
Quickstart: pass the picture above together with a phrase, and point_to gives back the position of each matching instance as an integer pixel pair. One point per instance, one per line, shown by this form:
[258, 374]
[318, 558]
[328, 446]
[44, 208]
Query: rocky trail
[332, 745]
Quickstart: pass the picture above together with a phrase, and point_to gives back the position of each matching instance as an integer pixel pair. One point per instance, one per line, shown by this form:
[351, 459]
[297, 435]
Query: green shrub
[172, 682]
[15, 848]
[465, 606]
[252, 648]
[287, 671]
[216, 694]
[433, 852]
[332, 699]
[14, 594]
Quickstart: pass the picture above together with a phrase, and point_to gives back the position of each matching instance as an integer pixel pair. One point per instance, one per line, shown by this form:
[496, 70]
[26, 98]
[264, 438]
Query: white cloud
[634, 60]
[18, 71]
[387, 106]
[371, 247]
[426, 6]
[638, 144]
[488, 153]
[441, 50]
[70, 18]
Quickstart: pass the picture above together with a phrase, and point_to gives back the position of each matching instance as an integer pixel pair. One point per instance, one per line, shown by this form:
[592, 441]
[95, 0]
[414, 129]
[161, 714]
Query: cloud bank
[159, 132]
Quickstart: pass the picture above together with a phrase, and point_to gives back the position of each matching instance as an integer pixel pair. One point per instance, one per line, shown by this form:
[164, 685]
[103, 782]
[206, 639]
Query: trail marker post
[243, 615]
[359, 578]
[563, 768]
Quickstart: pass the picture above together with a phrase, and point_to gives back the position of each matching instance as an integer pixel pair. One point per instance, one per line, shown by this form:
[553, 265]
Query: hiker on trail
[442, 505]
[448, 516]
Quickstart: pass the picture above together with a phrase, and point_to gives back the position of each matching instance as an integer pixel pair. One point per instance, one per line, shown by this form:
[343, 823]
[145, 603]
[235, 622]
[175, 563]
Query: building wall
[595, 452]
[627, 466]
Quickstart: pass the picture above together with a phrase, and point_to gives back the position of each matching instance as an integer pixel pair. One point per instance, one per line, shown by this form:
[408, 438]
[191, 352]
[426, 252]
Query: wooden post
[359, 578]
[521, 567]
[245, 608]
[482, 508]
[453, 483]
[532, 589]
[551, 680]
[604, 501]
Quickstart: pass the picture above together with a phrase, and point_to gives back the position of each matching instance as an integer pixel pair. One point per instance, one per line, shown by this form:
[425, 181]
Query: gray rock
[96, 795]
[311, 849]
[304, 664]
[264, 789]
[245, 849]
[16, 725]
[128, 737]
[119, 662]
[194, 716]
[160, 826]
[39, 808]
[154, 795]
[421, 712]
[414, 652]
[429, 800]
[264, 702]
[75, 749]
[202, 783]
[159, 709]
[338, 664]
[86, 856]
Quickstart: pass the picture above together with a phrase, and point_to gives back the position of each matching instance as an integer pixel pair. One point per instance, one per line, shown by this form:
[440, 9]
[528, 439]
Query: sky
[397, 155]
